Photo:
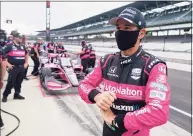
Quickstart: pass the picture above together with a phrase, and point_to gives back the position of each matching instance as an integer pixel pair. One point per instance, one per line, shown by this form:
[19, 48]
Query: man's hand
[104, 100]
[25, 65]
[10, 67]
[108, 116]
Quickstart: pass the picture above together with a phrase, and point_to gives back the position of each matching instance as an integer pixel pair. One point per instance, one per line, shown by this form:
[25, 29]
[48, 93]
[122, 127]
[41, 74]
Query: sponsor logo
[162, 69]
[102, 59]
[19, 58]
[84, 88]
[157, 94]
[125, 107]
[14, 48]
[19, 52]
[152, 63]
[161, 78]
[155, 104]
[126, 61]
[123, 90]
[129, 10]
[136, 73]
[114, 75]
[155, 101]
[158, 86]
[126, 14]
[142, 111]
[113, 69]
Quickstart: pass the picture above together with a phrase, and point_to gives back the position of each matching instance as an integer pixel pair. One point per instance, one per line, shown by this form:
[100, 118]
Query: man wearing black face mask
[136, 93]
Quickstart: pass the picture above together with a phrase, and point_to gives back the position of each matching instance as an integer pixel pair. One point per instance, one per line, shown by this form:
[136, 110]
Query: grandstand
[168, 24]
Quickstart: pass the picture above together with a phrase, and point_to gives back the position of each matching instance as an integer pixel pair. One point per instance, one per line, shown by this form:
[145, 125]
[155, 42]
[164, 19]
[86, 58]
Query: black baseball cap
[15, 33]
[132, 15]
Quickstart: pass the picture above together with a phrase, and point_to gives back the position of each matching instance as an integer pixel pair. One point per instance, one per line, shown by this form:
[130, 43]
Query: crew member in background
[17, 62]
[84, 56]
[26, 47]
[39, 46]
[60, 48]
[51, 47]
[136, 94]
[10, 39]
[44, 46]
[3, 38]
[92, 56]
[35, 57]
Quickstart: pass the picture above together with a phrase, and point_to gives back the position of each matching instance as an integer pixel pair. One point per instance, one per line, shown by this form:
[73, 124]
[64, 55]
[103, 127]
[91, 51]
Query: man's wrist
[97, 96]
[92, 95]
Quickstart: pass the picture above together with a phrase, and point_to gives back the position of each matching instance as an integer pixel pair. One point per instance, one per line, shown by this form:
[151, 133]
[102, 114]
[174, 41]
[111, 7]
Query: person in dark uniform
[92, 56]
[84, 56]
[35, 57]
[60, 48]
[24, 43]
[17, 62]
[51, 47]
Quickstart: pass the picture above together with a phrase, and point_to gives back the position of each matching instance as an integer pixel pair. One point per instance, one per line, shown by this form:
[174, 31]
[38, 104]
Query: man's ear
[142, 33]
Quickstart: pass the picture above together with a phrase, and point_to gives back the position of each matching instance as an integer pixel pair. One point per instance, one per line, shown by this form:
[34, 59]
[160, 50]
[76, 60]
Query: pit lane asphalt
[180, 83]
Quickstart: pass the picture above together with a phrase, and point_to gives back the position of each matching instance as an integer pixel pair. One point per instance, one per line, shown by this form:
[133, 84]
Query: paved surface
[43, 114]
[180, 82]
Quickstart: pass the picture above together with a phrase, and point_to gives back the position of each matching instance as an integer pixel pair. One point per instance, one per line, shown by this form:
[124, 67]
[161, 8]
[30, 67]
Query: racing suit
[92, 58]
[142, 90]
[51, 48]
[35, 59]
[60, 49]
[85, 57]
[15, 56]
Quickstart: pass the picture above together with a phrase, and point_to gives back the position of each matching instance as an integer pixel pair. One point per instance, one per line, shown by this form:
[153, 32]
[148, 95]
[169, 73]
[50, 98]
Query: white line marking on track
[181, 111]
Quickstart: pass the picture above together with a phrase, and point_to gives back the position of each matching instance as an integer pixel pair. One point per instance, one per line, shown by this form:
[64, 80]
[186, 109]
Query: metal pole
[47, 20]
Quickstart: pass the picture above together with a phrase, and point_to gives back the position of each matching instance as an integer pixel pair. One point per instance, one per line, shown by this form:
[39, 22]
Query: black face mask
[126, 39]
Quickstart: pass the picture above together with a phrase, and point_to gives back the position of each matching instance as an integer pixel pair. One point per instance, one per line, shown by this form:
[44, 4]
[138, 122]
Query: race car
[56, 72]
[78, 68]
